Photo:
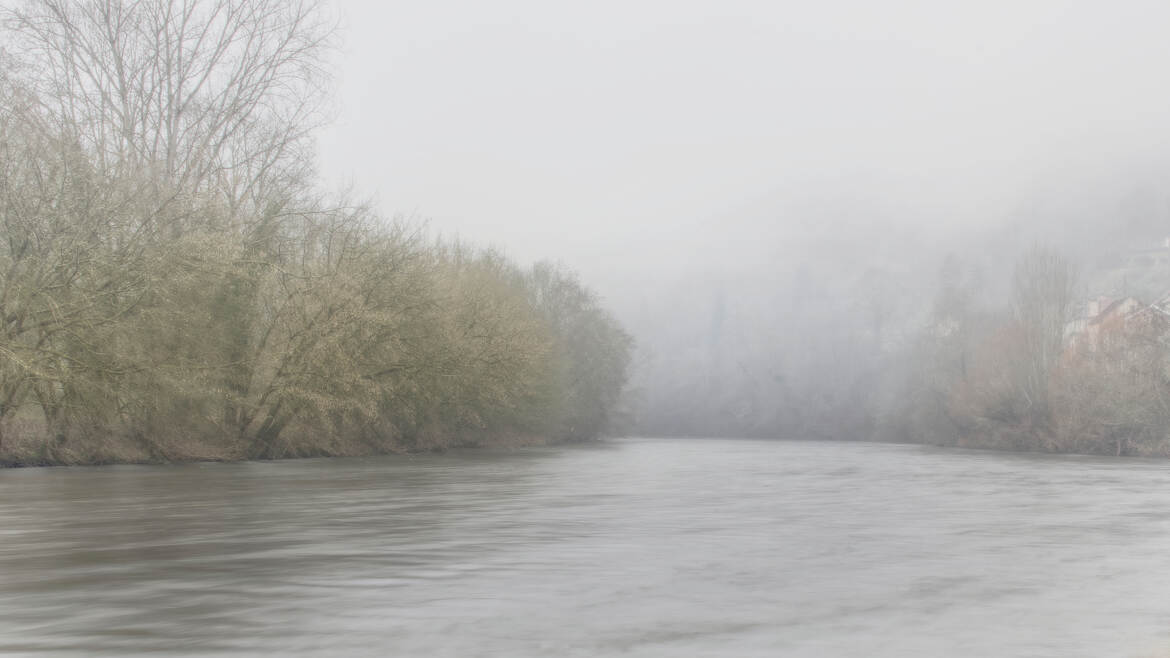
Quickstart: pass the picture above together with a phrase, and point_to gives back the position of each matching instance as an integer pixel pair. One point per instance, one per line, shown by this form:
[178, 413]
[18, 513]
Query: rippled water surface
[630, 548]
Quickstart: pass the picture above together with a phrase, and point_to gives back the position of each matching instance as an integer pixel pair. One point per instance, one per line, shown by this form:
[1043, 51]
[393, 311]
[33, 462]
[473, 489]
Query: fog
[706, 166]
[550, 282]
[625, 137]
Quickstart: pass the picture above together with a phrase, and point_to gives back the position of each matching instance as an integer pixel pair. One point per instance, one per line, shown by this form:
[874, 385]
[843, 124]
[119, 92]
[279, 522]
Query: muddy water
[629, 548]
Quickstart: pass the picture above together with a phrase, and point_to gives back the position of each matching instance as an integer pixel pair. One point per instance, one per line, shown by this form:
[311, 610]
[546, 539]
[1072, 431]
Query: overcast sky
[601, 133]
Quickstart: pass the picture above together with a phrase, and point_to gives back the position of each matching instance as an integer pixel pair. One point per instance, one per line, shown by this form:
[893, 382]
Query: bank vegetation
[174, 286]
[1034, 377]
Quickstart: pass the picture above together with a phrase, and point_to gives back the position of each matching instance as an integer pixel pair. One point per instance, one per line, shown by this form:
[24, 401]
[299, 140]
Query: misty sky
[619, 137]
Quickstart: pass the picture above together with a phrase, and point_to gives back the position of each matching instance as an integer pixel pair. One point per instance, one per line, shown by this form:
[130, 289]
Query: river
[637, 547]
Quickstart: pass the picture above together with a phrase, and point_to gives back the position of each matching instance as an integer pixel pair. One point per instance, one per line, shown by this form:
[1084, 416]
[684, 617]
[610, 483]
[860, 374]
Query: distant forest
[1046, 332]
[175, 286]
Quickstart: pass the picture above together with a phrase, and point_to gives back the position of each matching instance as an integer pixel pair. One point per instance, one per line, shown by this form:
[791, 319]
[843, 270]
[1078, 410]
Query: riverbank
[29, 449]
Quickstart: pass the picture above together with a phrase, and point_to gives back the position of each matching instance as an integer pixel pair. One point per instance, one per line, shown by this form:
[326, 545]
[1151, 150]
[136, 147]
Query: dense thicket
[173, 287]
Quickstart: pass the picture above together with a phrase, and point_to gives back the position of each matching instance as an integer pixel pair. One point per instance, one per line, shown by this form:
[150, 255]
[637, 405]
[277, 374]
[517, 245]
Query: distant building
[1109, 324]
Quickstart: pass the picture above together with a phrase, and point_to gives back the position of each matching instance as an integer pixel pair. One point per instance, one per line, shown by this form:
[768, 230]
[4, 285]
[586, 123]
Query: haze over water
[632, 547]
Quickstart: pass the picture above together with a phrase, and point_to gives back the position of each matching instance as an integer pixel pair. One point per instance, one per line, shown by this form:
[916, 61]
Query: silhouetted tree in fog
[1042, 290]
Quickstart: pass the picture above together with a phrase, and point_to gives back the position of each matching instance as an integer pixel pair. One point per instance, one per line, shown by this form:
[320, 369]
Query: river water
[630, 548]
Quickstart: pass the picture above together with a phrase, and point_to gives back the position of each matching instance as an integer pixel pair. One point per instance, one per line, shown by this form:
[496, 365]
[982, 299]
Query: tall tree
[195, 95]
[1042, 293]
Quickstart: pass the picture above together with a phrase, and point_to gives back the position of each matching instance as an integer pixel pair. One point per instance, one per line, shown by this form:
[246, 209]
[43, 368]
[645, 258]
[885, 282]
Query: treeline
[957, 351]
[172, 285]
[1023, 379]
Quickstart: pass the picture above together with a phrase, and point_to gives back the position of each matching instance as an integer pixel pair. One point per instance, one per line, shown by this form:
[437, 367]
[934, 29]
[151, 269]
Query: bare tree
[196, 95]
[123, 126]
[593, 349]
[1042, 290]
[73, 260]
